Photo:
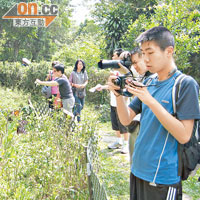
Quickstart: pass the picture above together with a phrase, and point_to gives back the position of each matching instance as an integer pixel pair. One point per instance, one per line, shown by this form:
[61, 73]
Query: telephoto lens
[105, 64]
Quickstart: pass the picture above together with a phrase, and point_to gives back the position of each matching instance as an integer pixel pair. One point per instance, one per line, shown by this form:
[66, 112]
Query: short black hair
[161, 35]
[136, 50]
[59, 67]
[118, 51]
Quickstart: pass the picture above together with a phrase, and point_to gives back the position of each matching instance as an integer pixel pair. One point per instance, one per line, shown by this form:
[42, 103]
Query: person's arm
[79, 85]
[47, 78]
[122, 69]
[180, 129]
[47, 83]
[125, 113]
[84, 85]
[86, 81]
[71, 79]
[101, 87]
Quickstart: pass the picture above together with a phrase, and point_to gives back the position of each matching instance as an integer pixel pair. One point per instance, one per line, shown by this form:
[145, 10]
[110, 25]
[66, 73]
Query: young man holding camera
[154, 171]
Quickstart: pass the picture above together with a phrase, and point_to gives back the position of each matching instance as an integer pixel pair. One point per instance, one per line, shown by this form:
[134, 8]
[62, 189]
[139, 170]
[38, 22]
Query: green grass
[114, 173]
[115, 168]
[192, 186]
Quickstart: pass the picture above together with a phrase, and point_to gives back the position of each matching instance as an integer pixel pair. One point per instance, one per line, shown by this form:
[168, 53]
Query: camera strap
[150, 79]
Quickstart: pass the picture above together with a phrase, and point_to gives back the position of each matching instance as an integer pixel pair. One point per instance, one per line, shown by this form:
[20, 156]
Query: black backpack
[189, 153]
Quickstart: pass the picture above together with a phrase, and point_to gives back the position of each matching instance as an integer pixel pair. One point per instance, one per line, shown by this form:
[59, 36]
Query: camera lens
[104, 64]
[117, 82]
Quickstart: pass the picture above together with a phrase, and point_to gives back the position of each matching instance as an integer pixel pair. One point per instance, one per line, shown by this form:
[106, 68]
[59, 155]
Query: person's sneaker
[115, 145]
[125, 149]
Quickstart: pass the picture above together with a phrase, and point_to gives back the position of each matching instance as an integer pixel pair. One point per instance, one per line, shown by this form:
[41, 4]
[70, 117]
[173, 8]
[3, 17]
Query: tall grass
[48, 162]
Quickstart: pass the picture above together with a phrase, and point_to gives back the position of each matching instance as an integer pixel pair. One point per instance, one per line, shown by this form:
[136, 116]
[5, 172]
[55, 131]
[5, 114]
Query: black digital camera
[121, 82]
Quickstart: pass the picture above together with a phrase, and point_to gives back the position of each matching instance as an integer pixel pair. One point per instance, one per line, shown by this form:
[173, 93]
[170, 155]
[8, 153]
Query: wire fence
[95, 187]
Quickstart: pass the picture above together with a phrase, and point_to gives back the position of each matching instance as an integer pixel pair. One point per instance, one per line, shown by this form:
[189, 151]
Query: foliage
[12, 99]
[115, 167]
[88, 28]
[114, 21]
[46, 163]
[16, 76]
[95, 77]
[114, 18]
[192, 186]
[182, 18]
[37, 43]
[2, 40]
[84, 47]
[194, 71]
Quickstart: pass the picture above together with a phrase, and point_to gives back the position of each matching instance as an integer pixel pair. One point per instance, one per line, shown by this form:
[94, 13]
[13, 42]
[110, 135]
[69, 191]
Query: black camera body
[121, 82]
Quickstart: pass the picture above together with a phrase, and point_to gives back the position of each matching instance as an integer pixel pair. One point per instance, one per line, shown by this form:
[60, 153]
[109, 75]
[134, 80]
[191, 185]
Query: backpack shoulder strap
[175, 95]
[176, 90]
[184, 163]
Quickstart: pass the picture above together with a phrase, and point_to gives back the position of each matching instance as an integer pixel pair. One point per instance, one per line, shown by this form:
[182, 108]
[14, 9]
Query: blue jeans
[78, 106]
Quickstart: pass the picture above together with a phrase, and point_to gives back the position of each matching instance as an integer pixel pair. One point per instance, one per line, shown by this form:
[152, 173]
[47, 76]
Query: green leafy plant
[48, 162]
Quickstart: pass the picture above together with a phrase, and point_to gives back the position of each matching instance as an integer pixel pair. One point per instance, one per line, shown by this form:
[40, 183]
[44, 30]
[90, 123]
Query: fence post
[89, 174]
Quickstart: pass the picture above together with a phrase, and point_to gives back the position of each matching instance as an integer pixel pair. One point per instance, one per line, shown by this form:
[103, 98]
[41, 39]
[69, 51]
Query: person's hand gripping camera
[111, 83]
[139, 90]
[132, 86]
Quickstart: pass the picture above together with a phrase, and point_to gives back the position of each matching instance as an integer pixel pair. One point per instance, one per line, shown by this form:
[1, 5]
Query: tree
[115, 16]
[32, 42]
[83, 47]
[181, 18]
[85, 42]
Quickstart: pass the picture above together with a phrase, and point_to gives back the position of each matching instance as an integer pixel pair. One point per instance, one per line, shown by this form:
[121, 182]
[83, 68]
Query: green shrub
[46, 163]
[16, 76]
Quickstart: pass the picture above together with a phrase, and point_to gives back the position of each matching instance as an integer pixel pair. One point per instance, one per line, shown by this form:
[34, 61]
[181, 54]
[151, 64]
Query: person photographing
[154, 170]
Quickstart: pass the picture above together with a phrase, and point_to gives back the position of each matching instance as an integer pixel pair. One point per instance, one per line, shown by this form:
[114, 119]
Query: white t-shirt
[113, 101]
